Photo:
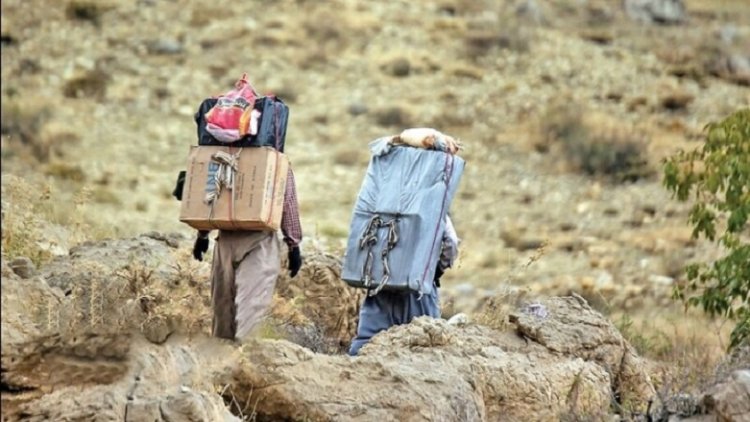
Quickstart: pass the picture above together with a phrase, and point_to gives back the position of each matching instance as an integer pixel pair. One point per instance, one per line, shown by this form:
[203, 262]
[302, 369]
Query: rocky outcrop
[567, 360]
[571, 327]
[94, 352]
[80, 370]
[113, 377]
[430, 370]
[426, 371]
[153, 250]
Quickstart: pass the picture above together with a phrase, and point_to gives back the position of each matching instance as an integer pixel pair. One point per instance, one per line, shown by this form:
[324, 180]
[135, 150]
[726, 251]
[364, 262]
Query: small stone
[165, 46]
[676, 100]
[355, 109]
[459, 320]
[23, 267]
[661, 280]
[399, 67]
[157, 330]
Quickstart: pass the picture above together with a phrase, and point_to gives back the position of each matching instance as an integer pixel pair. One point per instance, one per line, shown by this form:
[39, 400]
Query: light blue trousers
[389, 308]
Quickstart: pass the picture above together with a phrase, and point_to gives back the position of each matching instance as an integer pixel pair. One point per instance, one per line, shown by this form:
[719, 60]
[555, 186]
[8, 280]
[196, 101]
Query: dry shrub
[286, 93]
[616, 153]
[686, 361]
[102, 195]
[30, 210]
[22, 220]
[320, 28]
[397, 66]
[65, 171]
[84, 10]
[494, 312]
[507, 32]
[676, 100]
[394, 116]
[133, 298]
[513, 37]
[90, 84]
[22, 122]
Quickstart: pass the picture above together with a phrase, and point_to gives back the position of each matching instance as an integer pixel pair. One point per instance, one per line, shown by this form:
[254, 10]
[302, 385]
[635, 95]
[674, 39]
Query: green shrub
[717, 177]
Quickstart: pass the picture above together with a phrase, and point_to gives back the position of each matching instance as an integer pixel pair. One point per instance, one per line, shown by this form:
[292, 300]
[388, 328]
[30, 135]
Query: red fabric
[233, 109]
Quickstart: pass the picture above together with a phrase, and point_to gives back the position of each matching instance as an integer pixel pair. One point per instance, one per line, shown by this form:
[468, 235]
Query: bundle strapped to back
[406, 191]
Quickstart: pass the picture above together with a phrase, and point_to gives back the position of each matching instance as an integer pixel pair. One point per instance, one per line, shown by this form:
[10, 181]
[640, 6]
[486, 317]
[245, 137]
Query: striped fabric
[290, 223]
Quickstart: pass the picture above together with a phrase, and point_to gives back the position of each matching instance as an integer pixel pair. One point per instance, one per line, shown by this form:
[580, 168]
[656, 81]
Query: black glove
[201, 245]
[179, 186]
[295, 261]
[438, 273]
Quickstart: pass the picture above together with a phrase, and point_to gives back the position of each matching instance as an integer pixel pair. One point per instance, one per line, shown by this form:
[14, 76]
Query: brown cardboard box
[255, 202]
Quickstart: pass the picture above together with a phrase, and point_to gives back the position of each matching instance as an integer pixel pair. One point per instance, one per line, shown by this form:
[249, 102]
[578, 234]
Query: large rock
[656, 11]
[425, 371]
[54, 369]
[729, 400]
[153, 250]
[571, 327]
[568, 360]
[734, 67]
[113, 377]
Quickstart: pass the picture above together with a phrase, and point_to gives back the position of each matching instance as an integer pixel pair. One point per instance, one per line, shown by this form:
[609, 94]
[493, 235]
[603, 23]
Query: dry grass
[494, 312]
[32, 210]
[22, 124]
[22, 224]
[686, 357]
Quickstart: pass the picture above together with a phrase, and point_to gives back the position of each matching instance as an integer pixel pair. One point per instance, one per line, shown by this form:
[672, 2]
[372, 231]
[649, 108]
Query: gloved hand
[179, 186]
[201, 245]
[295, 261]
[438, 273]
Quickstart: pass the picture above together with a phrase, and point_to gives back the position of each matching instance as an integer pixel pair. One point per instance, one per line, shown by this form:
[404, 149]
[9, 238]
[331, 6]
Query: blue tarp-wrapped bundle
[399, 218]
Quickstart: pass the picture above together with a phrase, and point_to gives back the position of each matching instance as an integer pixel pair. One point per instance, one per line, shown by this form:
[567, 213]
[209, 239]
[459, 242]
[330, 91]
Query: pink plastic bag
[234, 115]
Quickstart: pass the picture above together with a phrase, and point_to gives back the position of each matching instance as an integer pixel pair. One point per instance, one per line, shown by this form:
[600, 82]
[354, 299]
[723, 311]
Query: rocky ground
[127, 342]
[566, 108]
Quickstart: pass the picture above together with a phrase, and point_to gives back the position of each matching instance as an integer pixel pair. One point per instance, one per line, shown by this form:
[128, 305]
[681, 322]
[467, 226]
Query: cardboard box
[256, 200]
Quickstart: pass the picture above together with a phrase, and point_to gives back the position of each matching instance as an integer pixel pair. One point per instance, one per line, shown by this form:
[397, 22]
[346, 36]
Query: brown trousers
[245, 267]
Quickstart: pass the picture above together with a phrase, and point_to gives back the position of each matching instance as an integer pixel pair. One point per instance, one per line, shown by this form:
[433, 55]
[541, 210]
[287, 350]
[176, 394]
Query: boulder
[656, 11]
[729, 400]
[571, 327]
[153, 250]
[732, 66]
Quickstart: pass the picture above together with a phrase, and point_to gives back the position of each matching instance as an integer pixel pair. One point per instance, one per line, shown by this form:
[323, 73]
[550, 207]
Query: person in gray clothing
[388, 308]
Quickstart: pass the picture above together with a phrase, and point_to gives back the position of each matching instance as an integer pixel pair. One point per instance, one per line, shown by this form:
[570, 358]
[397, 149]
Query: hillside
[565, 107]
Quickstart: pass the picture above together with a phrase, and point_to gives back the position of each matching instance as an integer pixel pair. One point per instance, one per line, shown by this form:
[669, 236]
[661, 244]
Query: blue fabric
[389, 308]
[413, 187]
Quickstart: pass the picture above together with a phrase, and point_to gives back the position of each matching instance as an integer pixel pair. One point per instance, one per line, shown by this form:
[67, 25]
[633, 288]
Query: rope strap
[368, 240]
[222, 178]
